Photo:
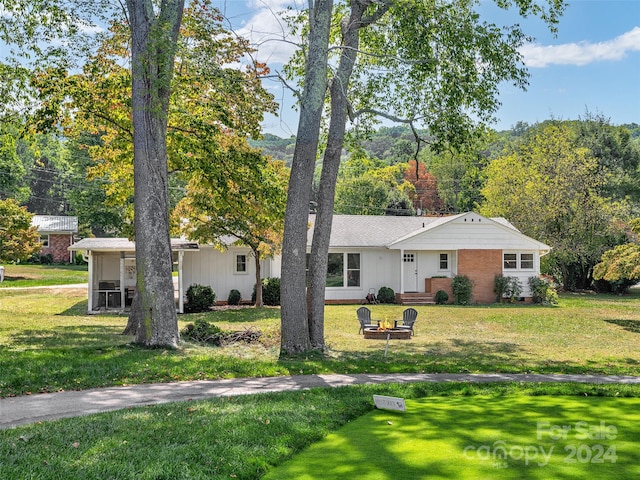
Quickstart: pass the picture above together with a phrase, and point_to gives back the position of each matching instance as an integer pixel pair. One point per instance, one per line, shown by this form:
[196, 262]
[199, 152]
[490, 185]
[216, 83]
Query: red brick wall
[481, 266]
[58, 245]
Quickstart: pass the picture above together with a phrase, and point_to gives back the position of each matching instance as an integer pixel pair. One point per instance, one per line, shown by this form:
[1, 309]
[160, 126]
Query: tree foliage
[620, 266]
[18, 239]
[550, 189]
[245, 205]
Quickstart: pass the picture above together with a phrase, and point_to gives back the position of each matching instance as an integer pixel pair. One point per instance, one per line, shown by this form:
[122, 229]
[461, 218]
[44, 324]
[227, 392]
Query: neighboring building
[415, 256]
[57, 233]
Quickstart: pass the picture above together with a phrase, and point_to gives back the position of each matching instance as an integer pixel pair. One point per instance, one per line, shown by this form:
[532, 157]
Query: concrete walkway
[49, 406]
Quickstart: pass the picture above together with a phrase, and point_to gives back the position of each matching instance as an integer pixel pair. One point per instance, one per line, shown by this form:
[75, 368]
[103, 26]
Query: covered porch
[113, 274]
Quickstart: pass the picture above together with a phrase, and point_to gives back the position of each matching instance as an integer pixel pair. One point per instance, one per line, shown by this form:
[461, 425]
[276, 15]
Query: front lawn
[49, 343]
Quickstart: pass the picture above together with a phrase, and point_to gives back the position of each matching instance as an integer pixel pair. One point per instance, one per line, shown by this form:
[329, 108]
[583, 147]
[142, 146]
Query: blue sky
[593, 64]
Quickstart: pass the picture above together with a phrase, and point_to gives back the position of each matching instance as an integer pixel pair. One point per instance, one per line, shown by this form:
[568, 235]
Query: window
[335, 270]
[409, 258]
[338, 275]
[510, 261]
[241, 264]
[444, 261]
[526, 261]
[45, 240]
[522, 261]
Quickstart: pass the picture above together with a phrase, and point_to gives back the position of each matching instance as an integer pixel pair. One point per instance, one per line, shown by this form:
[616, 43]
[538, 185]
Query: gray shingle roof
[55, 224]
[374, 230]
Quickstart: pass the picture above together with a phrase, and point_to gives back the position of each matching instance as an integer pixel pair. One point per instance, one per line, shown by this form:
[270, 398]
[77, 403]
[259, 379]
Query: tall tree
[294, 321]
[430, 63]
[549, 189]
[154, 35]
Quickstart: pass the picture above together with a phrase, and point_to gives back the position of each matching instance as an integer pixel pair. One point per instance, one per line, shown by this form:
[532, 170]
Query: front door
[410, 271]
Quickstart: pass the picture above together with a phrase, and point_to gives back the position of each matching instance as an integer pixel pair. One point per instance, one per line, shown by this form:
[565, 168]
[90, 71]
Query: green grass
[43, 275]
[49, 343]
[481, 437]
[245, 437]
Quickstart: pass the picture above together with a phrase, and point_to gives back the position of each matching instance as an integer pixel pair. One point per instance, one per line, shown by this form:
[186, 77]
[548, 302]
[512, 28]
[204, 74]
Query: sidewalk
[49, 406]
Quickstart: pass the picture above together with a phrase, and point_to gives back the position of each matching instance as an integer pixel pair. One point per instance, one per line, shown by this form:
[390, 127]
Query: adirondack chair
[364, 317]
[408, 319]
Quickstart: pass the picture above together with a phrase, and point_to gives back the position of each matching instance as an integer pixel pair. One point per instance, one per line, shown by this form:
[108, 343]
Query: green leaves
[18, 239]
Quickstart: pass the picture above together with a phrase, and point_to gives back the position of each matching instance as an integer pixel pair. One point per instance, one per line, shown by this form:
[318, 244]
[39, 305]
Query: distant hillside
[390, 144]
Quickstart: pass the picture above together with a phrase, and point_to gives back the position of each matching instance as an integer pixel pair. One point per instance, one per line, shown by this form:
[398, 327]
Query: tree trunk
[153, 41]
[330, 166]
[259, 302]
[294, 324]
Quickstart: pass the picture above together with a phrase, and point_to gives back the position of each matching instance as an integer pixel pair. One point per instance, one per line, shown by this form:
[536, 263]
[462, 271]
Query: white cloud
[582, 53]
[268, 31]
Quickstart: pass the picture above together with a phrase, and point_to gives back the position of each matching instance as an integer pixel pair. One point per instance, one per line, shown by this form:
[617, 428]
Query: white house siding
[523, 275]
[217, 269]
[379, 267]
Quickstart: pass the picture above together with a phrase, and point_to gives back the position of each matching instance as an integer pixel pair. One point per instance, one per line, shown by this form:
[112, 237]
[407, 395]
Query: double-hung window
[444, 261]
[241, 264]
[518, 261]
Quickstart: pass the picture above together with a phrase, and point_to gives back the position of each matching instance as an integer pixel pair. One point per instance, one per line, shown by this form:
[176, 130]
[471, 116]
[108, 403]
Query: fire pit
[387, 334]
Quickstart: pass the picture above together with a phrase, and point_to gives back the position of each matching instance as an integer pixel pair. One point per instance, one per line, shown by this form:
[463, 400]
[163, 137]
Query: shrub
[234, 298]
[386, 295]
[200, 298]
[441, 297]
[270, 291]
[462, 287]
[543, 290]
[203, 331]
[78, 259]
[506, 287]
[46, 259]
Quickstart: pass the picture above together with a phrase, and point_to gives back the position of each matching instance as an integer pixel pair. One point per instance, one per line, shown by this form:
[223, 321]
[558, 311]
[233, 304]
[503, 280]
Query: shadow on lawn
[629, 325]
[71, 337]
[77, 310]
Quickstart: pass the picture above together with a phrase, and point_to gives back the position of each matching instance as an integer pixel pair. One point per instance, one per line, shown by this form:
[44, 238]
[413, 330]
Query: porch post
[123, 290]
[180, 285]
[90, 284]
[401, 270]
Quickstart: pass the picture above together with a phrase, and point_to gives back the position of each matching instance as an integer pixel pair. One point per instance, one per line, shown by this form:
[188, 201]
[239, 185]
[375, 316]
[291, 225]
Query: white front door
[410, 271]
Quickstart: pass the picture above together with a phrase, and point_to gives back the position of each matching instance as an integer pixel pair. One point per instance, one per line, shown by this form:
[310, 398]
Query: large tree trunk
[330, 166]
[153, 41]
[294, 325]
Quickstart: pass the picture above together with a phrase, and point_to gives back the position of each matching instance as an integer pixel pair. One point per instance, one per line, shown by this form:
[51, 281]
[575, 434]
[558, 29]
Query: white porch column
[401, 270]
[180, 285]
[123, 291]
[90, 284]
